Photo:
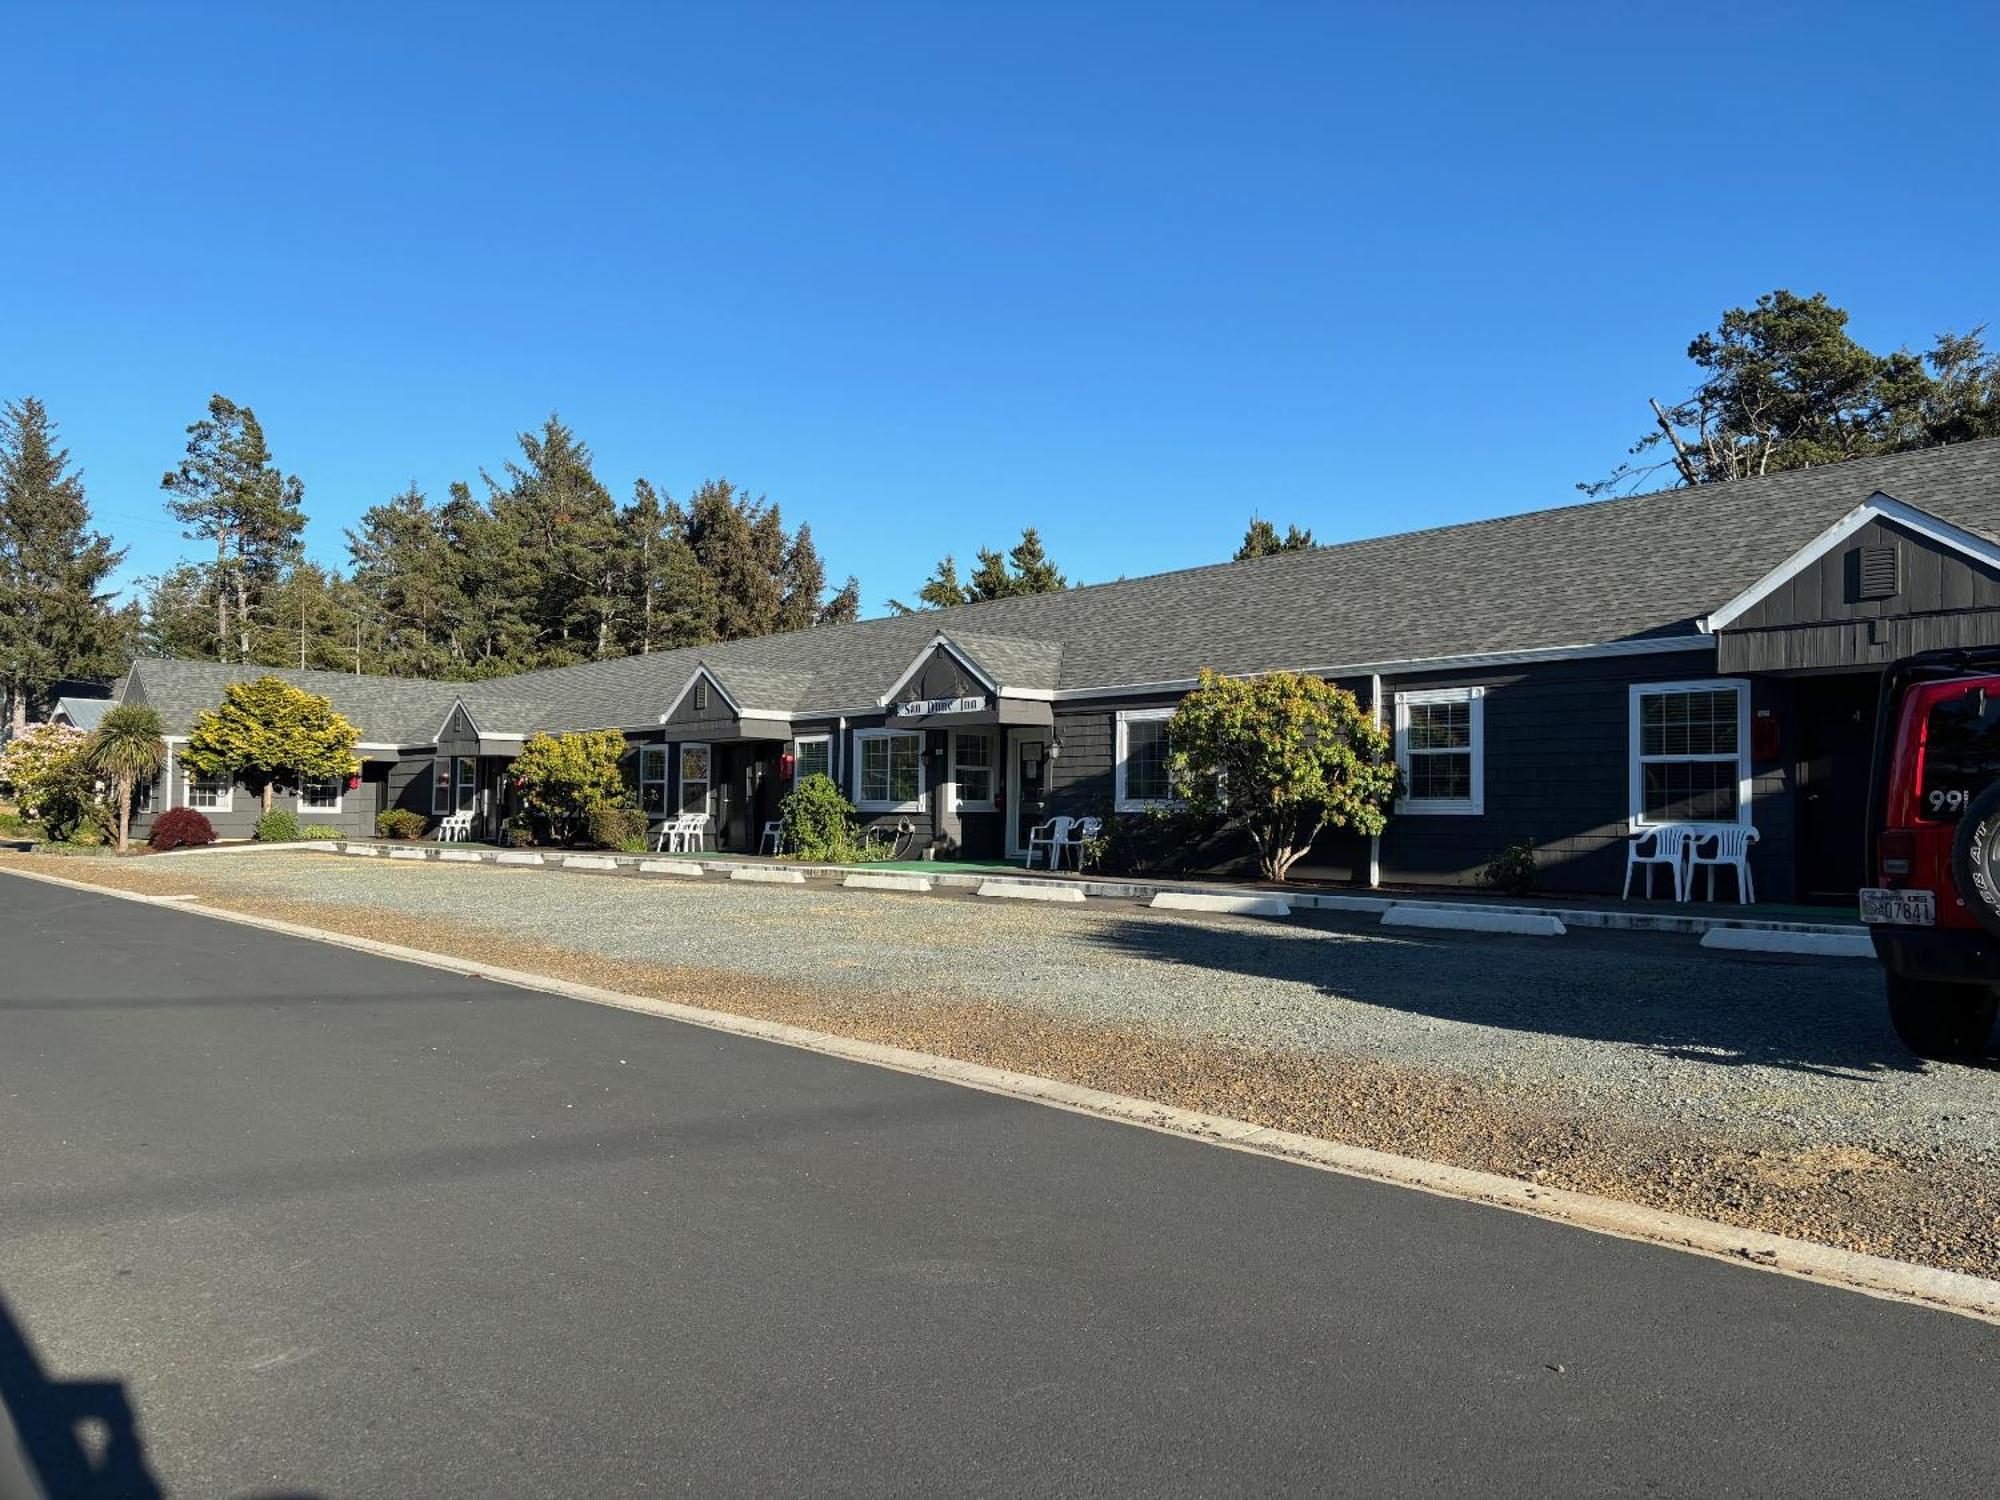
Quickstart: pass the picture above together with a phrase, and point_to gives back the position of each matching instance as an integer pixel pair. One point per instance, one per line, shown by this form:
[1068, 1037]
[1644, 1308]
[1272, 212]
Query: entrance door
[1027, 786]
[1836, 738]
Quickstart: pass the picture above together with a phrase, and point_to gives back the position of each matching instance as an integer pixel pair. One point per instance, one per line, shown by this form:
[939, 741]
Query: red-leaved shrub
[181, 828]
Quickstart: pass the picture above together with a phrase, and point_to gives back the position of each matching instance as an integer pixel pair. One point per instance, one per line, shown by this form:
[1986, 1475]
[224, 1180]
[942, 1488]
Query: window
[653, 780]
[210, 793]
[1441, 750]
[468, 785]
[1142, 779]
[322, 795]
[694, 779]
[1690, 752]
[814, 756]
[142, 797]
[440, 786]
[972, 770]
[889, 770]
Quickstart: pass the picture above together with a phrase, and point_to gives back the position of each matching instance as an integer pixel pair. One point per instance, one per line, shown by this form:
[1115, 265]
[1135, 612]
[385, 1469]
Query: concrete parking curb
[1951, 1291]
[1811, 944]
[1462, 919]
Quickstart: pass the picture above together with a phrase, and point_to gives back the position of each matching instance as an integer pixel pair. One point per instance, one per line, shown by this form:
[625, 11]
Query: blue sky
[927, 273]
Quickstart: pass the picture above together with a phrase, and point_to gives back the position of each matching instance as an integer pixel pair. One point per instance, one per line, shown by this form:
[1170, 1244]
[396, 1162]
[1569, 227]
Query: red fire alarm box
[1764, 735]
[788, 766]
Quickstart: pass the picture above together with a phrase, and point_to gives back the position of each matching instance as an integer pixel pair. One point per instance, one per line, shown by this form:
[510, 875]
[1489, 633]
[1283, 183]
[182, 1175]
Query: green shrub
[520, 831]
[818, 823]
[319, 831]
[611, 825]
[278, 826]
[73, 849]
[1512, 869]
[562, 779]
[400, 823]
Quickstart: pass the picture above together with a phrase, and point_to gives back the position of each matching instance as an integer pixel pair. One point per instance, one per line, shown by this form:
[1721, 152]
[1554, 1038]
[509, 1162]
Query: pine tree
[228, 490]
[670, 601]
[722, 529]
[567, 524]
[1024, 570]
[56, 619]
[1261, 539]
[1033, 572]
[495, 632]
[844, 608]
[409, 583]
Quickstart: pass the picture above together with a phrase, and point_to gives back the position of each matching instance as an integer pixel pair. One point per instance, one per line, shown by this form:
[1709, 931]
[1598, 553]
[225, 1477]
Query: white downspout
[1375, 839]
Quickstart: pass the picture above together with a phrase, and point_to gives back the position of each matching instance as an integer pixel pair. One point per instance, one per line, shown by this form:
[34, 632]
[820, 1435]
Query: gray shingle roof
[387, 710]
[1611, 570]
[85, 713]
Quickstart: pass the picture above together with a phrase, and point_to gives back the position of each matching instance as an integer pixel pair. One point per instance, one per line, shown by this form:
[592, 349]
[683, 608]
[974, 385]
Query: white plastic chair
[1665, 845]
[1731, 848]
[772, 839]
[454, 828]
[682, 834]
[1052, 836]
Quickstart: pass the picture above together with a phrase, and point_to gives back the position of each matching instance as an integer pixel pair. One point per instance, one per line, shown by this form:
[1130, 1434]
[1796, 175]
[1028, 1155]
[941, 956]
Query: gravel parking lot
[1768, 1090]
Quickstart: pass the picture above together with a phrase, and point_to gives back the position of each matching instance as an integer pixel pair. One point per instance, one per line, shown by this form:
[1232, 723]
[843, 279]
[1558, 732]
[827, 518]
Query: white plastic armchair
[454, 828]
[1712, 846]
[1052, 836]
[1666, 845]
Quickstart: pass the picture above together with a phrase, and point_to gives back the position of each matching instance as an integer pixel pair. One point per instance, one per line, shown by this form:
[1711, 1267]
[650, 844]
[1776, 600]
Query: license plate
[1899, 908]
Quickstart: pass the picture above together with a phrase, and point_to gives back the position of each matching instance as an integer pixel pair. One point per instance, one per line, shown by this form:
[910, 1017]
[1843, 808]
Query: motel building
[1570, 676]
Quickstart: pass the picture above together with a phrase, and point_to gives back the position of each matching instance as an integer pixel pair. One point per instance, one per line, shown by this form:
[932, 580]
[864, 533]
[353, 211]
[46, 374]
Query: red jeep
[1934, 848]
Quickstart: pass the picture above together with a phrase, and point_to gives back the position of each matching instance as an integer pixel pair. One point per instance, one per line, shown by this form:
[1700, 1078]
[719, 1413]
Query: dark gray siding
[355, 819]
[942, 676]
[1819, 619]
[458, 736]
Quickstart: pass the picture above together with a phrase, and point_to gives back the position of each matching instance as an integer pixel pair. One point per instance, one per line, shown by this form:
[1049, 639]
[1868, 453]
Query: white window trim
[861, 737]
[987, 804]
[228, 802]
[1120, 801]
[1635, 779]
[339, 799]
[798, 757]
[447, 809]
[1472, 806]
[706, 783]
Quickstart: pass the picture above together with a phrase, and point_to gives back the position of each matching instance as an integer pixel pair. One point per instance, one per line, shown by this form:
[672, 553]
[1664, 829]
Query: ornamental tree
[51, 780]
[1282, 756]
[269, 731]
[128, 748]
[562, 778]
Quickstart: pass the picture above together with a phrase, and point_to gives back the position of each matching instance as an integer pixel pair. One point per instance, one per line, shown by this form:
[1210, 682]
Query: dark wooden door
[1836, 717]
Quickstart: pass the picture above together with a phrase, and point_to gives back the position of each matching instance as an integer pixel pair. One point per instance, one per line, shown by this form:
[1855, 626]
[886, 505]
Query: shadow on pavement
[1656, 993]
[78, 1438]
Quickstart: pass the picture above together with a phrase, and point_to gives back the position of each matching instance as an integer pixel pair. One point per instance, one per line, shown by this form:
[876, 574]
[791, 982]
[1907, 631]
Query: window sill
[975, 807]
[886, 807]
[1131, 805]
[1440, 809]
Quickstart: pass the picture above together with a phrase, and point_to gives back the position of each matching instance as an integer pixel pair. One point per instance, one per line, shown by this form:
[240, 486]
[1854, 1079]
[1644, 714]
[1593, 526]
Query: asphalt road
[335, 1226]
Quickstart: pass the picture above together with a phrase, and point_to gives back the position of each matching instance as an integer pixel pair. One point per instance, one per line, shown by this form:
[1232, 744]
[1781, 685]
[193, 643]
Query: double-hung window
[813, 756]
[1441, 750]
[694, 779]
[889, 770]
[322, 795]
[1143, 780]
[210, 793]
[468, 783]
[972, 769]
[440, 786]
[653, 780]
[1690, 752]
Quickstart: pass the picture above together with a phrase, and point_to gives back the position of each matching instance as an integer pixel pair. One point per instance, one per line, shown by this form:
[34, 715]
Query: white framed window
[653, 780]
[440, 786]
[211, 793]
[1441, 750]
[694, 778]
[468, 783]
[812, 755]
[1142, 779]
[1690, 751]
[323, 795]
[889, 770]
[973, 770]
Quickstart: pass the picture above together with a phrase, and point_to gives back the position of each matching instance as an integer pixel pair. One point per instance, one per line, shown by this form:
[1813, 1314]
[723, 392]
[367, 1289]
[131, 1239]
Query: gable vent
[1879, 572]
[701, 687]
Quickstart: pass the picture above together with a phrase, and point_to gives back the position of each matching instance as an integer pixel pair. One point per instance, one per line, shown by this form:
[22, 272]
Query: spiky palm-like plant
[128, 748]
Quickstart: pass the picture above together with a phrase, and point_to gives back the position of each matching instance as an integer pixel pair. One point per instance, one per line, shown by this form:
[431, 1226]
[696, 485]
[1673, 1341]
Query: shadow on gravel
[1659, 994]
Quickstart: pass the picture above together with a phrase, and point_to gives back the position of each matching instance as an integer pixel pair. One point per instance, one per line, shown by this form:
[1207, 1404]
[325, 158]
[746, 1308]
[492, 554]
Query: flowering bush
[181, 828]
[50, 776]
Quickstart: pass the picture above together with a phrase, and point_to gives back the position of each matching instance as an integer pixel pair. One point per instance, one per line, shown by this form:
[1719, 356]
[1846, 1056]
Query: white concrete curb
[1895, 1280]
[460, 856]
[589, 862]
[768, 877]
[670, 867]
[1812, 944]
[914, 883]
[510, 857]
[1014, 890]
[1242, 906]
[1463, 919]
[408, 854]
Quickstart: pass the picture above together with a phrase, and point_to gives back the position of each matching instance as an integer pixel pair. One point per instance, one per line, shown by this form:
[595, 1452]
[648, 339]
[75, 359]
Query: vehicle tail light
[1896, 850]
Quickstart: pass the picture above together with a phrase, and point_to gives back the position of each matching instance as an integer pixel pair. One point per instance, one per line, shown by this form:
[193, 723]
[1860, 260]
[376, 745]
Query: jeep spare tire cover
[1975, 858]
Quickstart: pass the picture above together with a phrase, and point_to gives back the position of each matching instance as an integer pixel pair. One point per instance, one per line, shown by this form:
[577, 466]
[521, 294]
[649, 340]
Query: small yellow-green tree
[1283, 757]
[563, 777]
[269, 731]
